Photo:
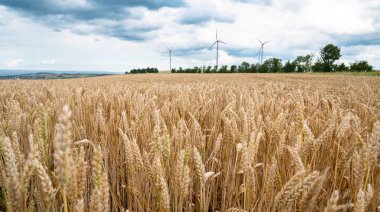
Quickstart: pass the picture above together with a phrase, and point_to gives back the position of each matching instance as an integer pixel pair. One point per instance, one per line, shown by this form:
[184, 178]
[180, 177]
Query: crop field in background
[237, 142]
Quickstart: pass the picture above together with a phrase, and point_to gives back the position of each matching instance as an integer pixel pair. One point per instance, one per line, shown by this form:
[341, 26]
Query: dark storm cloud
[202, 18]
[202, 14]
[254, 53]
[195, 20]
[138, 33]
[242, 52]
[356, 40]
[190, 51]
[150, 4]
[96, 9]
[39, 8]
[60, 15]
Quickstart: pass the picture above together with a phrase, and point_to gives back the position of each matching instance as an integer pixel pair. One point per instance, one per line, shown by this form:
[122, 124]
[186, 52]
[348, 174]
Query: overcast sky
[118, 35]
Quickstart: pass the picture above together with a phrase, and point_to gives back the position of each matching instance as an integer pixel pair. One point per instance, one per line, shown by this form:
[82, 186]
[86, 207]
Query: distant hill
[49, 75]
[7, 72]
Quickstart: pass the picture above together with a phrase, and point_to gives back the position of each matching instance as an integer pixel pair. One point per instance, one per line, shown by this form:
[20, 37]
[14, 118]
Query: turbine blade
[266, 42]
[216, 34]
[260, 41]
[222, 42]
[213, 44]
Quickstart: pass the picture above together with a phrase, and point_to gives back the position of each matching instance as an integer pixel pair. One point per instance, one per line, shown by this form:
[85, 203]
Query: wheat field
[165, 142]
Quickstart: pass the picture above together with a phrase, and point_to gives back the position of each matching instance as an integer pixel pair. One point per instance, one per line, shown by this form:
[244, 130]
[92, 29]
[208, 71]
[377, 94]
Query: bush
[342, 67]
[320, 66]
[143, 71]
[361, 66]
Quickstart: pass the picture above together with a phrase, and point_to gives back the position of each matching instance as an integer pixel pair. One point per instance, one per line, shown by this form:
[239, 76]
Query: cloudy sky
[117, 35]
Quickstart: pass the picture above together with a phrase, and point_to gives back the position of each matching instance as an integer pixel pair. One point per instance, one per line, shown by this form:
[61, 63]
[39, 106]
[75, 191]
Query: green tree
[320, 66]
[215, 69]
[144, 70]
[329, 54]
[271, 65]
[303, 63]
[233, 69]
[244, 67]
[254, 68]
[223, 69]
[342, 67]
[208, 69]
[361, 66]
[289, 67]
[264, 68]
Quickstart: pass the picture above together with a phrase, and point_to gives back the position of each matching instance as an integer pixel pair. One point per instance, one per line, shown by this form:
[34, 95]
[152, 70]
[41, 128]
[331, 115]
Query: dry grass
[191, 143]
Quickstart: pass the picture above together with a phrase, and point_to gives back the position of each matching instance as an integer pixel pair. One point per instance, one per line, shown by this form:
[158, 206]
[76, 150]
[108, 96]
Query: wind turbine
[217, 48]
[170, 59]
[262, 50]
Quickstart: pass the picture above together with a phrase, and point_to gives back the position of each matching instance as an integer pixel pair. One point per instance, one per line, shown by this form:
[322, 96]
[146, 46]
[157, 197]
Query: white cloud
[14, 63]
[49, 62]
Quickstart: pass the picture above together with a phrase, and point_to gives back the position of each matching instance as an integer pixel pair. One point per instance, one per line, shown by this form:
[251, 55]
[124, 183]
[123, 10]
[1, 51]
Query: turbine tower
[170, 59]
[261, 54]
[217, 48]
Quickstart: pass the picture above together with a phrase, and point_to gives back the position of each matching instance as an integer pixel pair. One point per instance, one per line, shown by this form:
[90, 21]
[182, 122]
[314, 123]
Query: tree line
[326, 62]
[142, 71]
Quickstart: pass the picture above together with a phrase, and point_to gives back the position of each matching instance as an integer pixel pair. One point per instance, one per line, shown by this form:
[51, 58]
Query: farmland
[186, 142]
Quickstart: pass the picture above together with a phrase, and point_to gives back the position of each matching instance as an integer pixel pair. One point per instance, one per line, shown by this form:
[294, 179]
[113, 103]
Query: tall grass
[191, 143]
